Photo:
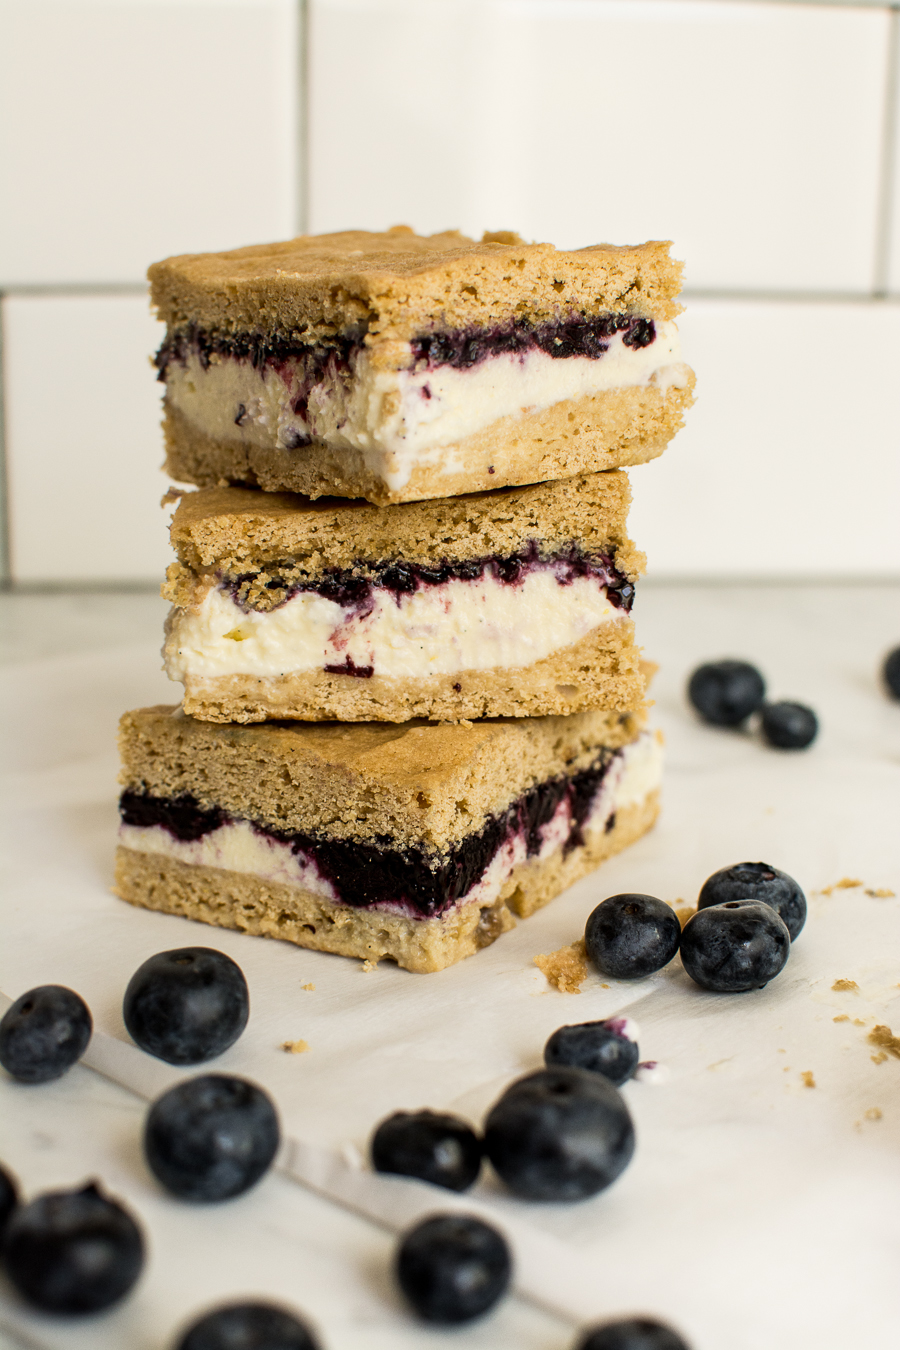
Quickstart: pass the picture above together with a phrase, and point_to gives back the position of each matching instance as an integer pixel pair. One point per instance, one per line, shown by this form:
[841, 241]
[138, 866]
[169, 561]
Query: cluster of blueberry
[727, 693]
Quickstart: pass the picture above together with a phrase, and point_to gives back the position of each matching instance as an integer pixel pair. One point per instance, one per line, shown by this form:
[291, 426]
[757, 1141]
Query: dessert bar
[417, 843]
[396, 367]
[509, 603]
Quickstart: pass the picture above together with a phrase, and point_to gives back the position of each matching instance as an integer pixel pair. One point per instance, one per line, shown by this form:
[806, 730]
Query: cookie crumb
[873, 1113]
[885, 1039]
[310, 987]
[684, 912]
[173, 494]
[808, 1079]
[845, 884]
[368, 965]
[859, 1021]
[845, 986]
[879, 1058]
[841, 1018]
[880, 892]
[565, 969]
[294, 1047]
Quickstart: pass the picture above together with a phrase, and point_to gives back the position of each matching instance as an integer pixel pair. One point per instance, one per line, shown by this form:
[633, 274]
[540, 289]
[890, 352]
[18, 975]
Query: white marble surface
[757, 1212]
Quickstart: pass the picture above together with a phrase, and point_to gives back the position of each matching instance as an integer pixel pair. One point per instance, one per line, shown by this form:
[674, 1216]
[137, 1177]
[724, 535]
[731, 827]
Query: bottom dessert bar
[416, 843]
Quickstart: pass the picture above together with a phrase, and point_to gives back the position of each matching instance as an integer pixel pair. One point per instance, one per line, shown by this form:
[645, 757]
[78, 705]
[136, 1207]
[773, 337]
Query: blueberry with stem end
[630, 936]
[559, 1134]
[73, 1251]
[9, 1198]
[788, 726]
[891, 672]
[248, 1326]
[725, 693]
[44, 1033]
[597, 1047]
[453, 1268]
[631, 1333]
[186, 1006]
[757, 881]
[430, 1145]
[735, 947]
[211, 1138]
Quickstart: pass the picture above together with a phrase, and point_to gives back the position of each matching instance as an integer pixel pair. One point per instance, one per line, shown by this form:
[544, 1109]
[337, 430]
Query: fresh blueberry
[599, 1047]
[630, 936]
[891, 672]
[9, 1198]
[44, 1033]
[734, 947]
[726, 692]
[788, 726]
[73, 1251]
[632, 1333]
[757, 881]
[186, 1006]
[430, 1145]
[559, 1134]
[211, 1138]
[248, 1326]
[453, 1268]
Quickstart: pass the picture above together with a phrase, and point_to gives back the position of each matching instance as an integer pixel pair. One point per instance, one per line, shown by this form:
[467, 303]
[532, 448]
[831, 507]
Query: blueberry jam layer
[353, 588]
[373, 874]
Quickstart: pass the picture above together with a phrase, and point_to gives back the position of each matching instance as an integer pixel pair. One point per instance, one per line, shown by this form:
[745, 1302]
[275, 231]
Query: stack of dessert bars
[413, 703]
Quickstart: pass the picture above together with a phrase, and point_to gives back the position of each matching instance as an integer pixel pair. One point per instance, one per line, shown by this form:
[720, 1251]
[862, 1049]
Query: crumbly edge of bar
[271, 909]
[416, 785]
[610, 430]
[229, 529]
[602, 670]
[398, 285]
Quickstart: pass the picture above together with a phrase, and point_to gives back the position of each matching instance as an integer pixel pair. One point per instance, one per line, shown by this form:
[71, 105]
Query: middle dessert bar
[513, 603]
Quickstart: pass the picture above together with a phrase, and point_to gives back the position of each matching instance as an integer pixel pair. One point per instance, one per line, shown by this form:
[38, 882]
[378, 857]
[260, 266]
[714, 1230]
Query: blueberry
[9, 1198]
[559, 1134]
[73, 1251]
[632, 1333]
[211, 1138]
[630, 936]
[186, 1006]
[429, 1145]
[44, 1033]
[734, 947]
[453, 1268]
[248, 1326]
[891, 672]
[726, 692]
[788, 726]
[757, 881]
[595, 1046]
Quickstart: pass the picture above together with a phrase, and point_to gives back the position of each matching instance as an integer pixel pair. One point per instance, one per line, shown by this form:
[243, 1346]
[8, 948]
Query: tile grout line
[891, 112]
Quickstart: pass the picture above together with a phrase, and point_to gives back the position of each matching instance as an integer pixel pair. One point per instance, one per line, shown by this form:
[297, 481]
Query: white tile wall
[132, 129]
[748, 133]
[82, 416]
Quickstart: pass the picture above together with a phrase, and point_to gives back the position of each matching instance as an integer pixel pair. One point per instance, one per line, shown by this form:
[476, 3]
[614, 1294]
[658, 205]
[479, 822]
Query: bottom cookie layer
[271, 909]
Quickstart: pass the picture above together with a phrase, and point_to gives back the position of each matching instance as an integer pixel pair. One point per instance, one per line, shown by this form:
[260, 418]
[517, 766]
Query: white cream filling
[237, 847]
[435, 630]
[402, 417]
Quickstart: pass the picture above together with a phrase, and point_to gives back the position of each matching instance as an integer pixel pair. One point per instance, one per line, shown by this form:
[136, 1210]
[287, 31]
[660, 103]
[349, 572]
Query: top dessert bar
[399, 368]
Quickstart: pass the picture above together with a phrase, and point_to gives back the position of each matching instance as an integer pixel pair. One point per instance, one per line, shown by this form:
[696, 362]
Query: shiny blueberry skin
[453, 1268]
[891, 672]
[73, 1251]
[44, 1033]
[9, 1198]
[788, 726]
[630, 936]
[559, 1134]
[757, 881]
[248, 1326]
[430, 1145]
[211, 1138]
[725, 693]
[594, 1046]
[734, 947]
[632, 1333]
[186, 1006]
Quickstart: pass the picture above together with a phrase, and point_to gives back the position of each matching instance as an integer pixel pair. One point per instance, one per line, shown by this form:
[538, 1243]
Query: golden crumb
[604, 986]
[174, 494]
[294, 1047]
[885, 1039]
[310, 987]
[565, 969]
[880, 892]
[684, 912]
[845, 884]
[781, 1051]
[879, 1058]
[845, 986]
[842, 1017]
[368, 965]
[808, 1080]
[873, 1113]
[859, 1021]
